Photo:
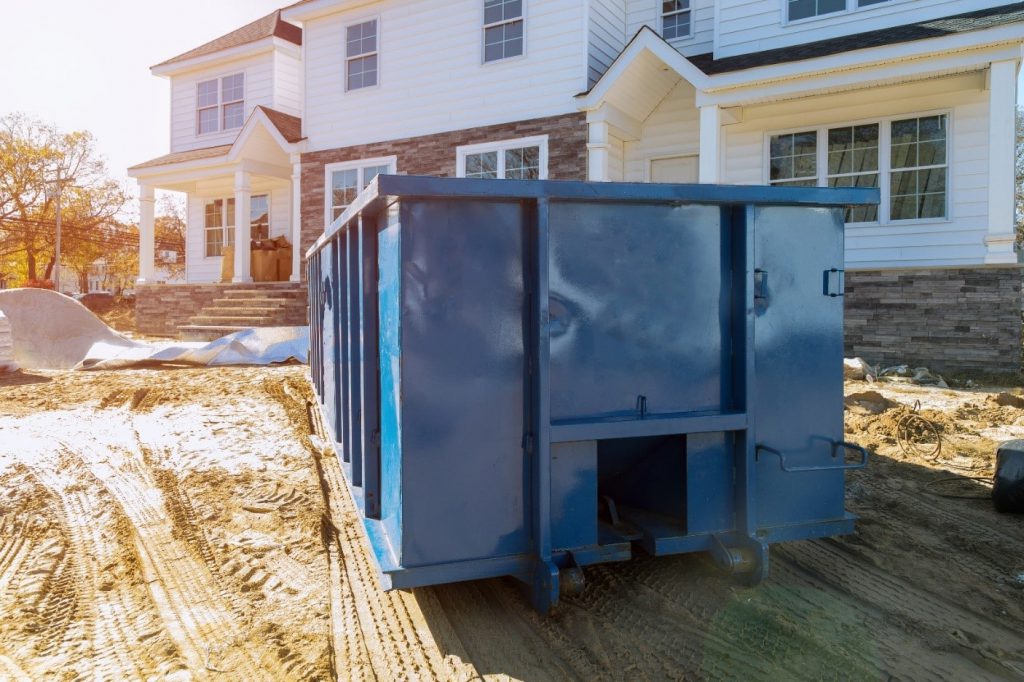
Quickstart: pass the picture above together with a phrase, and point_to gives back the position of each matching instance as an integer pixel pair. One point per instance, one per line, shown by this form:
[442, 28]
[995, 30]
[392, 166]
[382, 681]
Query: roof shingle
[933, 28]
[269, 26]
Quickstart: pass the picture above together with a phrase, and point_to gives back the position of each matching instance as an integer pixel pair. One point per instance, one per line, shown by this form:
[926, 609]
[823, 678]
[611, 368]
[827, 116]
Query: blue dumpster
[528, 377]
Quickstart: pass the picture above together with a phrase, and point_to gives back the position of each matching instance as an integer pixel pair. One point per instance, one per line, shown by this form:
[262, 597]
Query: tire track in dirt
[95, 527]
[199, 617]
[393, 639]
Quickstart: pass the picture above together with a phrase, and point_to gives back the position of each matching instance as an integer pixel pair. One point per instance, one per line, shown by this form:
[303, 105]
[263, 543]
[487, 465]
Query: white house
[916, 97]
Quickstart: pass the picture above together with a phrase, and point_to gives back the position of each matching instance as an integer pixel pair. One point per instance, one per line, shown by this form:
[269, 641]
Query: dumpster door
[798, 354]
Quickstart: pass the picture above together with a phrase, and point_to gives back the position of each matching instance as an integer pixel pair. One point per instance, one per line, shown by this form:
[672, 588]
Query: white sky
[85, 65]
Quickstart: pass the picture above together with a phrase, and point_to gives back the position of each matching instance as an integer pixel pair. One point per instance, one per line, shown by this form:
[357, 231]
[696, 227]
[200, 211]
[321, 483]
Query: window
[220, 104]
[803, 9]
[906, 158]
[865, 3]
[361, 63]
[917, 185]
[794, 159]
[503, 29]
[219, 222]
[345, 180]
[675, 19]
[522, 159]
[853, 162]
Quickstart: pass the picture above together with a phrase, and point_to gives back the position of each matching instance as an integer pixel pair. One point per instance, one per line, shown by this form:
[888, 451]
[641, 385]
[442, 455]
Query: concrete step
[203, 332]
[243, 321]
[265, 293]
[264, 311]
[258, 302]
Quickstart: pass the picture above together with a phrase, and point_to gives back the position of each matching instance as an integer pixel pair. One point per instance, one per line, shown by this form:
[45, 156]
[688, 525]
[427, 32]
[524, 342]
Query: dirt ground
[181, 524]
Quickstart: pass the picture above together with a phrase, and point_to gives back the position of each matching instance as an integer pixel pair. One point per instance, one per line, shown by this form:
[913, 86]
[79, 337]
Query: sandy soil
[181, 524]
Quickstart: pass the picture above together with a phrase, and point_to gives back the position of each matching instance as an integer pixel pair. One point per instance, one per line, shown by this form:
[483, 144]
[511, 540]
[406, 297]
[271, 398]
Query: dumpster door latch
[833, 282]
[761, 285]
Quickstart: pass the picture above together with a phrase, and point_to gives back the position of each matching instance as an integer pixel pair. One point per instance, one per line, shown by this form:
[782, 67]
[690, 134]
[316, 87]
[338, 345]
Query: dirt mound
[868, 402]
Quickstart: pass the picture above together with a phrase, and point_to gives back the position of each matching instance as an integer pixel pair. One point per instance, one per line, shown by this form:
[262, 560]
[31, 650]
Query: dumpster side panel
[463, 321]
[636, 309]
[798, 356]
[331, 341]
[390, 354]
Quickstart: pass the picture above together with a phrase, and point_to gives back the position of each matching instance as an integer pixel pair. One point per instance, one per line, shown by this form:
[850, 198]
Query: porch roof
[182, 157]
[991, 17]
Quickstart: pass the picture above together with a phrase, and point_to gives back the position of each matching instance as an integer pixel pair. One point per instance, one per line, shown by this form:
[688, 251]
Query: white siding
[259, 86]
[642, 13]
[432, 78]
[672, 129]
[754, 25]
[287, 84]
[202, 269]
[606, 35]
[959, 240]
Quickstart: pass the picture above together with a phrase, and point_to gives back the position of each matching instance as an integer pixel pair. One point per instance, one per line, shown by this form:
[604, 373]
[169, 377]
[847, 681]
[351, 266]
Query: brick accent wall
[435, 155]
[161, 308]
[949, 320]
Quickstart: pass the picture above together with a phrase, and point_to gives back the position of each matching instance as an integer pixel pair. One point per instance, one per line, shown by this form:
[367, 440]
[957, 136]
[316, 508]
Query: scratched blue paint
[532, 375]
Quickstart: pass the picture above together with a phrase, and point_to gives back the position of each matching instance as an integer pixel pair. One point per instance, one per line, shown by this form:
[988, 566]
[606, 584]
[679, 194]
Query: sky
[85, 65]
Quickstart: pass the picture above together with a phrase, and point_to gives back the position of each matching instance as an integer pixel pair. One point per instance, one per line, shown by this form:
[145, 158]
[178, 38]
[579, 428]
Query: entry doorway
[674, 169]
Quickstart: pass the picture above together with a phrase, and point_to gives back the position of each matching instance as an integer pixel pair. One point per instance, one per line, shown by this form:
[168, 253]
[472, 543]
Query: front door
[681, 169]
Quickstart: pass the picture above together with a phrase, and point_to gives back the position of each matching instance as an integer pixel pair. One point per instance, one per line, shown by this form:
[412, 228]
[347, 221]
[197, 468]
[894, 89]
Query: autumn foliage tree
[34, 157]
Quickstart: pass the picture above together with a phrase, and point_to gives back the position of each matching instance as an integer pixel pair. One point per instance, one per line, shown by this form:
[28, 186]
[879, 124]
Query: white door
[674, 169]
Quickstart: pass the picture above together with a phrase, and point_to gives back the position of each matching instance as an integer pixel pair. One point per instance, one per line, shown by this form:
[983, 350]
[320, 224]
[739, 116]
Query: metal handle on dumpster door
[837, 275]
[838, 445]
[760, 285]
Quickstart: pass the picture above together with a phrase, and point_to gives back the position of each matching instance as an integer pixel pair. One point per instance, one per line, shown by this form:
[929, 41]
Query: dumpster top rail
[383, 189]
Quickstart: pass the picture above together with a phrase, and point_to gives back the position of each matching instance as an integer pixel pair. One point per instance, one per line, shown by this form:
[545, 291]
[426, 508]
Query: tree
[170, 235]
[33, 156]
[1018, 195]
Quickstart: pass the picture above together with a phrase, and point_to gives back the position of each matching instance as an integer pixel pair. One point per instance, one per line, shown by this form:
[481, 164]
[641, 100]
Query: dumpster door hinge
[833, 283]
[528, 442]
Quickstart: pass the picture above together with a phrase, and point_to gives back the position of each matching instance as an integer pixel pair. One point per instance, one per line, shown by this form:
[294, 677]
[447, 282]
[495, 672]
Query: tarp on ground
[52, 331]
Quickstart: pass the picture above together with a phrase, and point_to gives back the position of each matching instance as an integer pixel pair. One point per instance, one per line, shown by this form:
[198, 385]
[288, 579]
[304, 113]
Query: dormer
[216, 86]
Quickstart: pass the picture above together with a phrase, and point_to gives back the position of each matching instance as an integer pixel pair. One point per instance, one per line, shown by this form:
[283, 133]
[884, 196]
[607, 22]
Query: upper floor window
[503, 29]
[806, 9]
[346, 180]
[907, 158]
[522, 159]
[361, 56]
[220, 104]
[675, 19]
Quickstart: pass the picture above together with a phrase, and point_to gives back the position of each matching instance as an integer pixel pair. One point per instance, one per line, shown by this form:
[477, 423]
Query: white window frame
[885, 169]
[349, 58]
[219, 106]
[230, 227]
[540, 141]
[661, 20]
[851, 6]
[360, 164]
[483, 36]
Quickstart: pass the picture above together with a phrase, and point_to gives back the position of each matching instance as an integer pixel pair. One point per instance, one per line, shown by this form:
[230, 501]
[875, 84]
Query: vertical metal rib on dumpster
[527, 377]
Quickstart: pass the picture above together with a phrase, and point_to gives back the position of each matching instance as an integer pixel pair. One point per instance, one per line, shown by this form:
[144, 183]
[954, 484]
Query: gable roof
[181, 157]
[289, 126]
[266, 27]
[933, 28]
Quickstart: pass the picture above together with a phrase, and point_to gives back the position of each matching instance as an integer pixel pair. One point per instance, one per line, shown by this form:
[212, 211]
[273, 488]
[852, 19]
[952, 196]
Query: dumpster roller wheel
[571, 581]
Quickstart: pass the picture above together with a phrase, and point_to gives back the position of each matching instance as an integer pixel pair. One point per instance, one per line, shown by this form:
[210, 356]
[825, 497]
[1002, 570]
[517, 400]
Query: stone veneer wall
[435, 155]
[949, 320]
[161, 308]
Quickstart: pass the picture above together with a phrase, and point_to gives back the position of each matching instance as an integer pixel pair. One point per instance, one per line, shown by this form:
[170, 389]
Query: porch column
[1002, 110]
[296, 218]
[147, 235]
[710, 143]
[243, 226]
[599, 151]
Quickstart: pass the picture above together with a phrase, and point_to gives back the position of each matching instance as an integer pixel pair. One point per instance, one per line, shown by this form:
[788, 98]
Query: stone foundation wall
[161, 308]
[435, 155]
[949, 320]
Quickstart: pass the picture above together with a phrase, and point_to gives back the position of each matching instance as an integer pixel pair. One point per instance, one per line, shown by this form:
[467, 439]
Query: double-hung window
[362, 59]
[807, 9]
[503, 29]
[220, 104]
[675, 19]
[345, 181]
[219, 222]
[521, 159]
[905, 157]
